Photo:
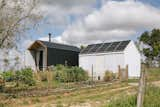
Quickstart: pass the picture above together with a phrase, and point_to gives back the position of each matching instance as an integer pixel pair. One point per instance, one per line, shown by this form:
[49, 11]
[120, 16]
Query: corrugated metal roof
[105, 47]
[60, 46]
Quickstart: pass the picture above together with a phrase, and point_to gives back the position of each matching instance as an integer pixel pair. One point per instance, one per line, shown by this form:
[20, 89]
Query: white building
[98, 58]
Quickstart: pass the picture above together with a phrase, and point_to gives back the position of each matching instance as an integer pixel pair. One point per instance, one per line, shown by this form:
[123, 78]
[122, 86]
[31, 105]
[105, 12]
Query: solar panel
[105, 45]
[122, 45]
[96, 46]
[85, 50]
[112, 47]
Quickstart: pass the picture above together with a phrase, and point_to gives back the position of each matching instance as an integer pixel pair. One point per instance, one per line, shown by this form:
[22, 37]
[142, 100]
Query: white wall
[101, 62]
[29, 59]
[110, 61]
[133, 59]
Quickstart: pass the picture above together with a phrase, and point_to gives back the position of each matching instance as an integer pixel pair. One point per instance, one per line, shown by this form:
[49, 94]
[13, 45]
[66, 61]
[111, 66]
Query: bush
[69, 74]
[8, 76]
[109, 76]
[25, 76]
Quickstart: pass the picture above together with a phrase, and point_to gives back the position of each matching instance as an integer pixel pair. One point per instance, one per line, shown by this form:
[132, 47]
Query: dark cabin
[46, 54]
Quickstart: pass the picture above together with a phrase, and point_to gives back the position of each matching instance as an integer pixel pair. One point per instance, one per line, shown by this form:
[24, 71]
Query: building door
[41, 60]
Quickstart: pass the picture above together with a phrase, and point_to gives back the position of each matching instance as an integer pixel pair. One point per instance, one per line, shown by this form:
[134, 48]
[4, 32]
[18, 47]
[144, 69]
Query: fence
[123, 73]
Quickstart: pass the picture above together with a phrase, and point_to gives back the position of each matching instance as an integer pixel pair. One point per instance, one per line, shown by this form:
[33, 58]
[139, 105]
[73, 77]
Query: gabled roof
[56, 46]
[105, 47]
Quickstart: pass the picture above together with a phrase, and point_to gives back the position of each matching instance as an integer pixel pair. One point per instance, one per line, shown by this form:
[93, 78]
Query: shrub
[78, 74]
[69, 74]
[25, 76]
[109, 76]
[8, 76]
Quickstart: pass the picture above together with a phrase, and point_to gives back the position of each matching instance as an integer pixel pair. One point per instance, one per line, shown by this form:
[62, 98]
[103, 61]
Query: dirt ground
[89, 97]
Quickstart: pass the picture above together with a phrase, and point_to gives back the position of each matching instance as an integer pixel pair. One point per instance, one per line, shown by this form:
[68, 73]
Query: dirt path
[90, 99]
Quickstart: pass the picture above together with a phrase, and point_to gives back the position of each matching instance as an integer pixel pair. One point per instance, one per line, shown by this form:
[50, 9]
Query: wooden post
[119, 71]
[126, 72]
[141, 90]
[92, 74]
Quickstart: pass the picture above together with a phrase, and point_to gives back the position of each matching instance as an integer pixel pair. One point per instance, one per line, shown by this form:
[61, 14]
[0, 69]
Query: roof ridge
[110, 42]
[58, 43]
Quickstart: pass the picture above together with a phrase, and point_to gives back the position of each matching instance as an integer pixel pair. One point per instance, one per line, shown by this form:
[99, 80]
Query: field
[109, 94]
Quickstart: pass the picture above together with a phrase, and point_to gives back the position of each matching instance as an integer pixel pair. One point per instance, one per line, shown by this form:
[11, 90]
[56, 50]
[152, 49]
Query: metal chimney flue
[49, 34]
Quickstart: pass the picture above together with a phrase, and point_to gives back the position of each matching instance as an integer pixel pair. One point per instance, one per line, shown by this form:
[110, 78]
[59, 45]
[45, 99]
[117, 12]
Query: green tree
[152, 42]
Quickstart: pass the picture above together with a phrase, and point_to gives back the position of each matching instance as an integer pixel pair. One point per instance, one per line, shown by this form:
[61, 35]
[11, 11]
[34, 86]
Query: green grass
[151, 99]
[153, 74]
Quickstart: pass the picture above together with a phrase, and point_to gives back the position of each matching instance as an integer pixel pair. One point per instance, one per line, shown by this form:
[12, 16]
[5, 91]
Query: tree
[82, 47]
[152, 42]
[16, 16]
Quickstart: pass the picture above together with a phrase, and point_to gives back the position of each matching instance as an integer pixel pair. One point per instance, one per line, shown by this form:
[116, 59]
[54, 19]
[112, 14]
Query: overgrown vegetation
[151, 99]
[153, 74]
[55, 78]
[69, 74]
[24, 76]
[109, 76]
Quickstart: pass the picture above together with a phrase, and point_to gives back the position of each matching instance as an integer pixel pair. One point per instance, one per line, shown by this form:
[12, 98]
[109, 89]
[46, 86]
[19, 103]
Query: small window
[99, 78]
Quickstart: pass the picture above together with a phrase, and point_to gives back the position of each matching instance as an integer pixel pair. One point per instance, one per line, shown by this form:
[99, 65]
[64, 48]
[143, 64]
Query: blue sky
[79, 22]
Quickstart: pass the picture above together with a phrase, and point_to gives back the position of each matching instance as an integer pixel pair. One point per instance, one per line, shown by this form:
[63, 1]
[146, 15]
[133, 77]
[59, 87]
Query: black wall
[57, 56]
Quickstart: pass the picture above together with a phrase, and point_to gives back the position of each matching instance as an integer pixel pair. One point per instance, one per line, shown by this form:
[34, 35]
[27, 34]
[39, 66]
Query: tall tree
[16, 16]
[152, 42]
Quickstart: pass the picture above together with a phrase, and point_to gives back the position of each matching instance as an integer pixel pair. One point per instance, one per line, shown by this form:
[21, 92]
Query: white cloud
[115, 20]
[57, 11]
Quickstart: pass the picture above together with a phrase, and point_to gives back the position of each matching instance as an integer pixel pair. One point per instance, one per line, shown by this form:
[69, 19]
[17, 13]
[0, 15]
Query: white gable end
[133, 60]
[101, 62]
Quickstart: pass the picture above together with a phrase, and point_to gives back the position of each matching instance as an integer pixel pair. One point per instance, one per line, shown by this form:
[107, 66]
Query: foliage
[152, 40]
[129, 101]
[109, 76]
[25, 76]
[69, 74]
[8, 76]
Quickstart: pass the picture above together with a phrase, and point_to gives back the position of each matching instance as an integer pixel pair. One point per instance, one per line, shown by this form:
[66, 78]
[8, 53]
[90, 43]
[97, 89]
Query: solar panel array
[105, 47]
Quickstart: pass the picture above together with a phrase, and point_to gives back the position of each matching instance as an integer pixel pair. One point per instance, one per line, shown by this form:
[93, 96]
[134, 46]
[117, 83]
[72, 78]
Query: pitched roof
[105, 47]
[58, 46]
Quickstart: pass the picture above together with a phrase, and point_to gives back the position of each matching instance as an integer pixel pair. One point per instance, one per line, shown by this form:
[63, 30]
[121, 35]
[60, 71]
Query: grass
[111, 95]
[153, 74]
[88, 95]
[151, 99]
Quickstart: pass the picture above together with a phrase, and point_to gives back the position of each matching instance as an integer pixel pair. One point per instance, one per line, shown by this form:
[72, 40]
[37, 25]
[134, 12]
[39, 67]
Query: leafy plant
[109, 76]
[25, 76]
[69, 74]
[8, 76]
[152, 41]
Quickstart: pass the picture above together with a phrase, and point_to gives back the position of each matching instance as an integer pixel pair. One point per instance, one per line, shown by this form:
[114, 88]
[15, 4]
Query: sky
[82, 22]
